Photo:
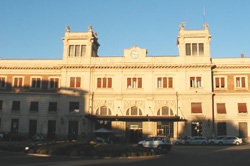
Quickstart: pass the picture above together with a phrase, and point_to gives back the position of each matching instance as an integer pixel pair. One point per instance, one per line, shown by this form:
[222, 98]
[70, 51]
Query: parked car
[227, 140]
[1, 136]
[160, 142]
[182, 141]
[198, 140]
[216, 140]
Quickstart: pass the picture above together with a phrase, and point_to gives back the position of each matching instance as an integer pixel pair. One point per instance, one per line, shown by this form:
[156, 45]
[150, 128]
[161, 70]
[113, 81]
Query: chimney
[242, 56]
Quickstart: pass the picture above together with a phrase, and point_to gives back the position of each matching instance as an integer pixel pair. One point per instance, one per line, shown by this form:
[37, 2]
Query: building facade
[134, 95]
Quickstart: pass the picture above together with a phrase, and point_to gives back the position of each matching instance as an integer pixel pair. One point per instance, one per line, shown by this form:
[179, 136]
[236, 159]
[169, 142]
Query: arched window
[134, 111]
[103, 110]
[165, 111]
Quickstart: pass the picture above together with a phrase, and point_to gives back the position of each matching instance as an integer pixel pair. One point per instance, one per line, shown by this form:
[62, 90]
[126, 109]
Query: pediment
[135, 53]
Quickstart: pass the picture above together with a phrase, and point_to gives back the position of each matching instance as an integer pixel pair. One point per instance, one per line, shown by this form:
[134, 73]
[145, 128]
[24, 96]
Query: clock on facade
[134, 54]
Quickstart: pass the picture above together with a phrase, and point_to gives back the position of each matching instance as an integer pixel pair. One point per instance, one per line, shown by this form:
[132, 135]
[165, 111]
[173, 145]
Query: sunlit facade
[134, 95]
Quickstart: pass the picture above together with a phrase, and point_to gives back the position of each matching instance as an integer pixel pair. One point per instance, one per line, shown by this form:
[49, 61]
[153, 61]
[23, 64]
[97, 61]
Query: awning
[135, 118]
[102, 130]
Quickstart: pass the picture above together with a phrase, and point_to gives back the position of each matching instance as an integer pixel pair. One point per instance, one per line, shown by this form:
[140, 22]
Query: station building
[134, 95]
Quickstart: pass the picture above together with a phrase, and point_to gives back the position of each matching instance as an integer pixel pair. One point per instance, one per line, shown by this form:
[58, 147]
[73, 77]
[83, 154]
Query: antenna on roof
[204, 14]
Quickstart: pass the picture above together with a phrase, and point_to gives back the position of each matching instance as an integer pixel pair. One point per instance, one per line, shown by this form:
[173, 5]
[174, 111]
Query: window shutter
[104, 84]
[139, 82]
[188, 49]
[192, 81]
[128, 82]
[33, 83]
[15, 82]
[222, 82]
[164, 82]
[221, 108]
[109, 82]
[56, 82]
[20, 82]
[242, 107]
[99, 82]
[72, 81]
[78, 81]
[159, 83]
[170, 82]
[217, 82]
[196, 108]
[243, 83]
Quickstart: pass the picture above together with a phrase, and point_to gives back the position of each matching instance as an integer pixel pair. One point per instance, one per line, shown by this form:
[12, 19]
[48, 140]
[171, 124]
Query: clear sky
[33, 29]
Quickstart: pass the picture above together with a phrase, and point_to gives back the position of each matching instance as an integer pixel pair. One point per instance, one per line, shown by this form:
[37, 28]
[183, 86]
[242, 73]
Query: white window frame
[13, 82]
[195, 82]
[102, 82]
[5, 81]
[54, 86]
[41, 79]
[134, 84]
[159, 84]
[197, 51]
[74, 50]
[225, 82]
[240, 83]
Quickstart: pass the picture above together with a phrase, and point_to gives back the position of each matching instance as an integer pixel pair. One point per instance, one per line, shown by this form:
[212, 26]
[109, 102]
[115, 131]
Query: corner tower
[194, 43]
[79, 45]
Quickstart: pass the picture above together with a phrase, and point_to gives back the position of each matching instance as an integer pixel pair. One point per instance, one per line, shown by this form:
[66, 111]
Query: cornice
[59, 67]
[231, 66]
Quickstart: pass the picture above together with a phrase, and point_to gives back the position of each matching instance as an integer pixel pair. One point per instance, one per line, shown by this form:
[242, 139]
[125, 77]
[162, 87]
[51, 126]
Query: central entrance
[133, 132]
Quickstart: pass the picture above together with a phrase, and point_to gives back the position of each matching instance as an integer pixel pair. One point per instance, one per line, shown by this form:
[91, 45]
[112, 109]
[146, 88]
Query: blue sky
[33, 29]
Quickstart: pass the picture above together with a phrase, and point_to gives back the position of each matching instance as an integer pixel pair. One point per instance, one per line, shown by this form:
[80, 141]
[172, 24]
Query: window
[242, 107]
[195, 82]
[104, 82]
[2, 82]
[165, 82]
[103, 111]
[52, 106]
[165, 129]
[1, 105]
[196, 108]
[73, 106]
[222, 128]
[36, 82]
[34, 106]
[240, 82]
[16, 106]
[194, 49]
[165, 111]
[134, 82]
[77, 50]
[53, 82]
[220, 82]
[14, 126]
[134, 111]
[221, 108]
[196, 129]
[18, 82]
[75, 82]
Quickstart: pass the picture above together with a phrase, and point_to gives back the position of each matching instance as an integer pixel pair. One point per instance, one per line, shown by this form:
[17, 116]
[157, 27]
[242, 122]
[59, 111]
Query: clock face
[134, 54]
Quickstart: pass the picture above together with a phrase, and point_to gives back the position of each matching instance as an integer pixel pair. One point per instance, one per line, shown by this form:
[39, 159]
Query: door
[51, 129]
[243, 130]
[133, 132]
[32, 128]
[14, 126]
[73, 130]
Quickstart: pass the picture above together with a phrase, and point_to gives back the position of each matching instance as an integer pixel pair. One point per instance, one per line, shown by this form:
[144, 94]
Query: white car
[215, 141]
[228, 140]
[182, 141]
[198, 140]
[160, 142]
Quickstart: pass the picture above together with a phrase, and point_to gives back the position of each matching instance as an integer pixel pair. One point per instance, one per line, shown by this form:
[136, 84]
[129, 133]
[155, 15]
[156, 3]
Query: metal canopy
[136, 118]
